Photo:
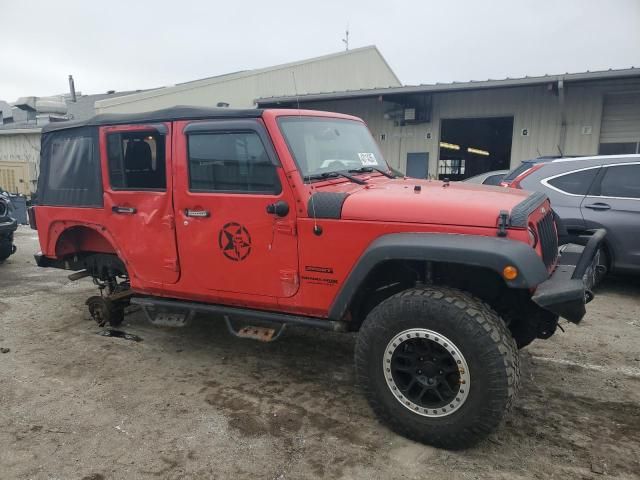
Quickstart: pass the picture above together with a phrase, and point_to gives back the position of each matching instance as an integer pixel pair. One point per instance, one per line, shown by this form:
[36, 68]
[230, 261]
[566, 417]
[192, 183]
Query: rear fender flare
[473, 250]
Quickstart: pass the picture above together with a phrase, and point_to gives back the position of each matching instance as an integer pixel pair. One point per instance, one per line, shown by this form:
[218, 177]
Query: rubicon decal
[234, 241]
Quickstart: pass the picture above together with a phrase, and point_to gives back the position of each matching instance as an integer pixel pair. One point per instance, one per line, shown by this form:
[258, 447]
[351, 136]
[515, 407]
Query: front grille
[548, 239]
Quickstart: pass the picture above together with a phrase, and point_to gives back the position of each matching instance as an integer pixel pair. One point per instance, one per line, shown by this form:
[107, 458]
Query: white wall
[357, 69]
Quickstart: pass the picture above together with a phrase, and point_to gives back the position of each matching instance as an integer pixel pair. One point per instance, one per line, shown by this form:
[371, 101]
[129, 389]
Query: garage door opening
[471, 146]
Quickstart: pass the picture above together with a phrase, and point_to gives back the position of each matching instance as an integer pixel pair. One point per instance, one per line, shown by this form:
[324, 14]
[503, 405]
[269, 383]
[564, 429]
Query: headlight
[4, 207]
[533, 237]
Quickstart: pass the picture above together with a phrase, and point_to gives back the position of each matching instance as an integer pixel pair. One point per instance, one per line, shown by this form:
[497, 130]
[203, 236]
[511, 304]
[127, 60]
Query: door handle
[196, 213]
[124, 210]
[598, 206]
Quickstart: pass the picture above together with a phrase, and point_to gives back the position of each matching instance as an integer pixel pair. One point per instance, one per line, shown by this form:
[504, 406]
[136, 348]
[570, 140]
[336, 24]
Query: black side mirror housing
[279, 208]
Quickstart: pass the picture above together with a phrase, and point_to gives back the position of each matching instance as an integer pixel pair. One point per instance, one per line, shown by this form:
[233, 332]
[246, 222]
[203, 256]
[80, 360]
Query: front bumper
[568, 289]
[8, 226]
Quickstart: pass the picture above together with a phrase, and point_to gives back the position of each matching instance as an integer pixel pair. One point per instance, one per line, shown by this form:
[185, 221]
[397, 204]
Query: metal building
[19, 157]
[458, 130]
[349, 70]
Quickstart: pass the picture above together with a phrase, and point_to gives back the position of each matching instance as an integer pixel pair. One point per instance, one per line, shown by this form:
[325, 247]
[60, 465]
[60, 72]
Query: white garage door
[620, 130]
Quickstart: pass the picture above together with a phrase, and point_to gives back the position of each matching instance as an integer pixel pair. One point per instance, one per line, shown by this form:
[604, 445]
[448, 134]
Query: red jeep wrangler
[278, 217]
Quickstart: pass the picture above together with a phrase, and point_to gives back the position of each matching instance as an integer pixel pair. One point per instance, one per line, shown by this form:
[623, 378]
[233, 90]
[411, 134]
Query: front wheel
[438, 366]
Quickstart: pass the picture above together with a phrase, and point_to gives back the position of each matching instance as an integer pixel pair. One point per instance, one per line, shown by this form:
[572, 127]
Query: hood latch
[503, 223]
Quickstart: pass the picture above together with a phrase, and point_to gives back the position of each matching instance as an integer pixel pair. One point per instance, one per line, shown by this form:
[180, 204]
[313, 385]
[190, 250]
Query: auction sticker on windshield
[368, 159]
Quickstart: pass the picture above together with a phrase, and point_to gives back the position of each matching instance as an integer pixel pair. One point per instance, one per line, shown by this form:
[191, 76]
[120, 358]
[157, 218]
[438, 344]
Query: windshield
[321, 146]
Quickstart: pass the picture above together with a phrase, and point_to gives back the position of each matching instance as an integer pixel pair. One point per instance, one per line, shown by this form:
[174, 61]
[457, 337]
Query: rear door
[138, 200]
[614, 203]
[567, 190]
[228, 182]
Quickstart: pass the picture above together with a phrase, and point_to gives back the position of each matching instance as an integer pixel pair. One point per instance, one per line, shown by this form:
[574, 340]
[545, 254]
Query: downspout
[563, 117]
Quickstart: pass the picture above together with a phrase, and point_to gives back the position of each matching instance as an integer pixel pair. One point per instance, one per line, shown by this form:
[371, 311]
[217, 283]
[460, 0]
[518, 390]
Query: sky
[129, 45]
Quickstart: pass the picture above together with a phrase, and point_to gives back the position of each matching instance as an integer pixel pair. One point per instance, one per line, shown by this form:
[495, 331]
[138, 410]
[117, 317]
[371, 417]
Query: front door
[138, 200]
[417, 164]
[229, 185]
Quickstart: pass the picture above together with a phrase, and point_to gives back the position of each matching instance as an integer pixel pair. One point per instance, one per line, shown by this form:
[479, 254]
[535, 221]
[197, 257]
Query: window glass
[231, 162]
[577, 183]
[451, 166]
[618, 148]
[621, 181]
[324, 145]
[65, 156]
[136, 161]
[513, 174]
[493, 179]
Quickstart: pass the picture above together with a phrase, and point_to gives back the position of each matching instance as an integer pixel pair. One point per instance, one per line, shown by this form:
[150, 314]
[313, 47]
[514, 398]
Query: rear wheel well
[82, 247]
[525, 319]
[79, 239]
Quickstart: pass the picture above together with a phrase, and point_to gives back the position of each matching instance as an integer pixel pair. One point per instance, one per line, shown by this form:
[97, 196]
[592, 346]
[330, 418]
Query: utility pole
[345, 40]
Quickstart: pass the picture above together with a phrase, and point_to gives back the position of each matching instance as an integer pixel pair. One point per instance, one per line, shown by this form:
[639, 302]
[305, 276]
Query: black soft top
[164, 115]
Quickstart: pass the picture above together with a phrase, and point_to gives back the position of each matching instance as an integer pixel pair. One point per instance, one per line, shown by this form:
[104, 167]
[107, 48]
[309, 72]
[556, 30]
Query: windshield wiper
[321, 176]
[372, 169]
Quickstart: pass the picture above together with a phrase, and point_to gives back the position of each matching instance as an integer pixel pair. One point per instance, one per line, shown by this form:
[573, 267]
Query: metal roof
[455, 86]
[213, 80]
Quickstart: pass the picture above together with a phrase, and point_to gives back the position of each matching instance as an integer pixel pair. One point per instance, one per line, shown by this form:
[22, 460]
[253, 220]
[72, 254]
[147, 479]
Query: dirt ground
[198, 403]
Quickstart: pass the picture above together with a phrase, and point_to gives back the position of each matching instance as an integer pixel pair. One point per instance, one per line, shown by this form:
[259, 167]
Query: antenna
[295, 90]
[345, 40]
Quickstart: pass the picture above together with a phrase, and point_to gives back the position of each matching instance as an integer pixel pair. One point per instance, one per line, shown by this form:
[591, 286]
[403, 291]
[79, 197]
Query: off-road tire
[6, 249]
[105, 312]
[479, 334]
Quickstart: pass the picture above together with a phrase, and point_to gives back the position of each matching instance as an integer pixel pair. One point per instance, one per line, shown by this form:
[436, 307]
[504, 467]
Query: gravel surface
[197, 403]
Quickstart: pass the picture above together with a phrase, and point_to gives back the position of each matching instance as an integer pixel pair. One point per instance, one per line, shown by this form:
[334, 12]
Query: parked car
[488, 178]
[293, 217]
[8, 226]
[590, 193]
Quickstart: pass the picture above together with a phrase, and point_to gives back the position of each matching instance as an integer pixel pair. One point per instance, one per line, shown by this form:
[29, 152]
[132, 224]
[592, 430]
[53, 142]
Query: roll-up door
[620, 130]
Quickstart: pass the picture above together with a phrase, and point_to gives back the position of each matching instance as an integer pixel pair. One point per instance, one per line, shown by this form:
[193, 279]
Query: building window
[621, 148]
[451, 167]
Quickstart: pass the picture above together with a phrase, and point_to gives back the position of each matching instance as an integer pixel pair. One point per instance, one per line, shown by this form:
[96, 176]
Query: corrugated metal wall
[535, 109]
[19, 158]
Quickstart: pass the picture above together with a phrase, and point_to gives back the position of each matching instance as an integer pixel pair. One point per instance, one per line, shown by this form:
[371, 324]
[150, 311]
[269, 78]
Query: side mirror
[279, 208]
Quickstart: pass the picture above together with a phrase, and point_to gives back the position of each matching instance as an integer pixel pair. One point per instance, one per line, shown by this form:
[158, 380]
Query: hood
[410, 200]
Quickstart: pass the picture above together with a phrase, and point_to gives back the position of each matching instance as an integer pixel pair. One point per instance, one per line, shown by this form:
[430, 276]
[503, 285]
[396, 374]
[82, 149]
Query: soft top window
[70, 169]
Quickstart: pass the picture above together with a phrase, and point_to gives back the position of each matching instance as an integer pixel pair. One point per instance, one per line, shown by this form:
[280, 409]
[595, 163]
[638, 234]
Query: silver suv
[589, 193]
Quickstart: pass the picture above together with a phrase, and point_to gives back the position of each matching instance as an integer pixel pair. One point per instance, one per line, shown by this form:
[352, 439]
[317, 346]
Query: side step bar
[242, 313]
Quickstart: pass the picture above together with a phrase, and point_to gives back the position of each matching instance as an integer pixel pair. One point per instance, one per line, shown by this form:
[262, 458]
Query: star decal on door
[234, 241]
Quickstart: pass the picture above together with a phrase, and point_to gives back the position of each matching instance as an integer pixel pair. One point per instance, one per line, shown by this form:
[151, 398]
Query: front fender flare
[473, 250]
